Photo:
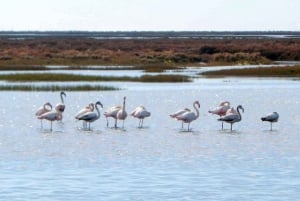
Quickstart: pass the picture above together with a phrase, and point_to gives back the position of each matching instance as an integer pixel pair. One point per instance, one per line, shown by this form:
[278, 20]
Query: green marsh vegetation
[285, 71]
[56, 88]
[51, 77]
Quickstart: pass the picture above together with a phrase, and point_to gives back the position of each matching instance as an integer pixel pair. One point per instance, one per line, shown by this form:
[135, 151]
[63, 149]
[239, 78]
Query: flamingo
[61, 106]
[47, 107]
[91, 116]
[89, 108]
[117, 112]
[221, 109]
[232, 116]
[140, 112]
[272, 117]
[51, 116]
[179, 112]
[188, 116]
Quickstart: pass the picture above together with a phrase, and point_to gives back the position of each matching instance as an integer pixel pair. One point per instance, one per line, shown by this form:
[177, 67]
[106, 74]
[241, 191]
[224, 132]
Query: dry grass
[287, 71]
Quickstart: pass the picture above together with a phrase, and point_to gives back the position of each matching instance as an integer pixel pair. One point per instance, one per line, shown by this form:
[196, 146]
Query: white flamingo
[272, 117]
[47, 107]
[221, 109]
[51, 116]
[89, 108]
[141, 113]
[188, 116]
[117, 112]
[179, 112]
[61, 106]
[91, 116]
[232, 116]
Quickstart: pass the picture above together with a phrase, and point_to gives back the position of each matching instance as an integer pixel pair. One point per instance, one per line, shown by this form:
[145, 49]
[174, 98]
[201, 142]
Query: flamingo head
[225, 103]
[99, 103]
[240, 107]
[48, 104]
[63, 93]
[197, 103]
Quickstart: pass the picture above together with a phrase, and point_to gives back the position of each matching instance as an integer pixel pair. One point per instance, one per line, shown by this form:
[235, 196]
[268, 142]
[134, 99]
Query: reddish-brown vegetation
[162, 51]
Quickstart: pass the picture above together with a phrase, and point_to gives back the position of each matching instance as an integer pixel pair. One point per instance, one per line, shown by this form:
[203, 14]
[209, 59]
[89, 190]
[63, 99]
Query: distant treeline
[149, 34]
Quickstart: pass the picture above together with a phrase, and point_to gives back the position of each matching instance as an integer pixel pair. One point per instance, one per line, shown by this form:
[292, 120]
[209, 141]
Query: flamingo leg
[116, 123]
[142, 123]
[271, 126]
[106, 122]
[222, 125]
[231, 126]
[51, 127]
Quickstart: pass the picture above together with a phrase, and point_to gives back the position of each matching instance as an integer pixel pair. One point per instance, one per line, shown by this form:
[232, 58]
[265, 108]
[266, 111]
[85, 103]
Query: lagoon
[160, 161]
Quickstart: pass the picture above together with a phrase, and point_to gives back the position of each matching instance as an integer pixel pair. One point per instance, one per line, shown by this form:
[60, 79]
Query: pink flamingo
[47, 107]
[232, 117]
[179, 112]
[61, 106]
[221, 109]
[51, 116]
[140, 112]
[188, 116]
[89, 108]
[91, 116]
[117, 112]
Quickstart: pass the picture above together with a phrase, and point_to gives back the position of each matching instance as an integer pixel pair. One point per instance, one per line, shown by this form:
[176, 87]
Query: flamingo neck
[123, 108]
[98, 112]
[197, 110]
[238, 111]
[61, 98]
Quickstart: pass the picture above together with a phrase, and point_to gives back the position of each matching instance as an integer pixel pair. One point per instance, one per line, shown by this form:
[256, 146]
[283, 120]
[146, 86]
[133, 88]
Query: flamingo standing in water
[52, 116]
[117, 112]
[140, 112]
[91, 116]
[272, 117]
[61, 106]
[179, 112]
[89, 108]
[221, 109]
[232, 116]
[47, 107]
[188, 116]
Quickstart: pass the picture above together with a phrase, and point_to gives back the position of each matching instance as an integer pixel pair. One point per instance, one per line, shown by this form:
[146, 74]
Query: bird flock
[88, 114]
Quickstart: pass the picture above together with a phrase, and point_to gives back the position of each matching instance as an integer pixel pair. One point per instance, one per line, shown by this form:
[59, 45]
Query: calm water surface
[160, 161]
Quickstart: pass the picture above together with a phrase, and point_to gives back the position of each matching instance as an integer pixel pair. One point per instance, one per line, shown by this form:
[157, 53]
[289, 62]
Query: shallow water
[160, 161]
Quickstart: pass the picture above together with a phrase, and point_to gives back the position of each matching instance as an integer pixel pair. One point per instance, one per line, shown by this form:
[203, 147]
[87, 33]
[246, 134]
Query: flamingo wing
[179, 112]
[229, 118]
[81, 112]
[112, 112]
[272, 117]
[187, 117]
[89, 116]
